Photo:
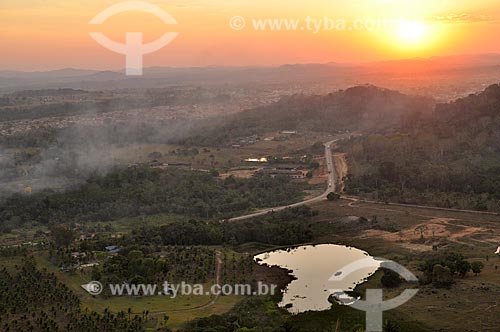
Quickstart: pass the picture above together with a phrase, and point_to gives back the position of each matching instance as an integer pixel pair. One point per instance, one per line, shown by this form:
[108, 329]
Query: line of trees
[283, 228]
[442, 271]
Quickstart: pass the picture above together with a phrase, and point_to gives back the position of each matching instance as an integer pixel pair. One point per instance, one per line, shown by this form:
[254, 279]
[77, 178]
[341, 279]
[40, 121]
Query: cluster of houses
[80, 260]
[292, 171]
[246, 141]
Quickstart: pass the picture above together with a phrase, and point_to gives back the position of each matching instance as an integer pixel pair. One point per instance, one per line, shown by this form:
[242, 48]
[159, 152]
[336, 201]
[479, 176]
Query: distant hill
[51, 74]
[442, 77]
[470, 110]
[448, 159]
[435, 64]
[358, 108]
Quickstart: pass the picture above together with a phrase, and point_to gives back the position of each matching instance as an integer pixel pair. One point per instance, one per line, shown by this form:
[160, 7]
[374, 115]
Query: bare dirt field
[341, 169]
[408, 236]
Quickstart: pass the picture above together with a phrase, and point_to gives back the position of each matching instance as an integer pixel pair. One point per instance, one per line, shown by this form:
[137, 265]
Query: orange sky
[51, 34]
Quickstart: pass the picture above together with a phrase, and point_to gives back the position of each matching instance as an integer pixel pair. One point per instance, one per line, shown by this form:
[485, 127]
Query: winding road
[330, 188]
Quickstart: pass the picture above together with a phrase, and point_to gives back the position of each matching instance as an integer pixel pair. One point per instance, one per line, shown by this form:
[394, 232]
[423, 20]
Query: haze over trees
[144, 191]
[358, 108]
[451, 159]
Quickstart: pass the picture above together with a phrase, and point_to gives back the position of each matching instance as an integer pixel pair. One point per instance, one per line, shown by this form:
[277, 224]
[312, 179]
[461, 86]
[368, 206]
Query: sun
[413, 32]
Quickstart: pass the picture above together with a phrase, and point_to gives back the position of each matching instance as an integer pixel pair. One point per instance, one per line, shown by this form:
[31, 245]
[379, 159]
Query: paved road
[330, 188]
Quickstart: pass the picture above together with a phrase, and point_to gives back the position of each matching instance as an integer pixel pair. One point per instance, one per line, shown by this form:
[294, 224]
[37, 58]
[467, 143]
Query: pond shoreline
[312, 270]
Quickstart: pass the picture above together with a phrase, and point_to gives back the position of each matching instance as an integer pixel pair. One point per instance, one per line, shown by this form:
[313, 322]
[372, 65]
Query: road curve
[330, 188]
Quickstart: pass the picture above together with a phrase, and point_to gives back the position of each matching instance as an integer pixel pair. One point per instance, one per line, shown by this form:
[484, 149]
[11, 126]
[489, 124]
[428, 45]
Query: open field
[472, 302]
[222, 157]
[180, 310]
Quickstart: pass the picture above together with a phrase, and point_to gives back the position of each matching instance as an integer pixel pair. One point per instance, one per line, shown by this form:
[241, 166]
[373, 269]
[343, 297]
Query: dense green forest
[175, 264]
[286, 227]
[144, 191]
[449, 159]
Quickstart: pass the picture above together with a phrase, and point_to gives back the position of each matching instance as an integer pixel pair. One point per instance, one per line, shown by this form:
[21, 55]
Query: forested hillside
[358, 108]
[451, 159]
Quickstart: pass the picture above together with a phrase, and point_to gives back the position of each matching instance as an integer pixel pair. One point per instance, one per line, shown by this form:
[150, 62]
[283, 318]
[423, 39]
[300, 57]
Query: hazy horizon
[40, 36]
[272, 65]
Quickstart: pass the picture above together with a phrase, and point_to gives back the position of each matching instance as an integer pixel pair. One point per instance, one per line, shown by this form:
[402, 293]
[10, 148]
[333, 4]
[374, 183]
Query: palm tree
[391, 326]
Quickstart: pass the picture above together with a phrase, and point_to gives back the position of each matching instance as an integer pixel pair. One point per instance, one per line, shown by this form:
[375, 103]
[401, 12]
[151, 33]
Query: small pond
[319, 271]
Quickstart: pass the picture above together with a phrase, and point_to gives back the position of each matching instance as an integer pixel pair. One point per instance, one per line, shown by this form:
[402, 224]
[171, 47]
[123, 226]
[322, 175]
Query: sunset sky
[52, 34]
